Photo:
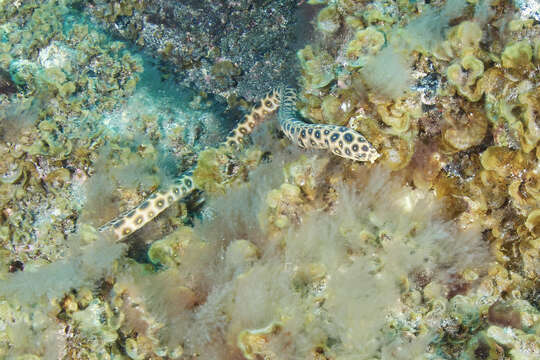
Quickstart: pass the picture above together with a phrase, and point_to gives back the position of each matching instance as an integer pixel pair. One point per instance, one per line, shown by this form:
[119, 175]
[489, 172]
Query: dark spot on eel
[145, 204]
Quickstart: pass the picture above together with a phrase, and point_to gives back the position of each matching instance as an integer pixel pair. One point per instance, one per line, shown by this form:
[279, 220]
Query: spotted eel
[339, 140]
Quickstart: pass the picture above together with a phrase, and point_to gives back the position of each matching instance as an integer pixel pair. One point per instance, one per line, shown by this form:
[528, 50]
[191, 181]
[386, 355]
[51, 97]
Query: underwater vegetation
[429, 250]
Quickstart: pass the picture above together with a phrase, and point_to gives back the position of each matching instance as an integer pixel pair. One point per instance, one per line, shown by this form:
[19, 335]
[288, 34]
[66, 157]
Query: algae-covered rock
[240, 254]
[399, 115]
[97, 320]
[225, 73]
[317, 67]
[23, 71]
[465, 75]
[517, 55]
[168, 251]
[337, 108]
[7, 85]
[366, 42]
[465, 38]
[217, 168]
[465, 129]
[328, 20]
[252, 342]
[503, 161]
[283, 205]
[305, 173]
[192, 36]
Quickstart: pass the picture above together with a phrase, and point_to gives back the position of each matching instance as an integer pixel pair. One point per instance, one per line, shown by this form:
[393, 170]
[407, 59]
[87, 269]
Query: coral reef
[430, 252]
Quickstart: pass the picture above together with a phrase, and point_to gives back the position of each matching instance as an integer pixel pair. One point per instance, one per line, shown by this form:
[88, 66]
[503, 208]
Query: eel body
[339, 140]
